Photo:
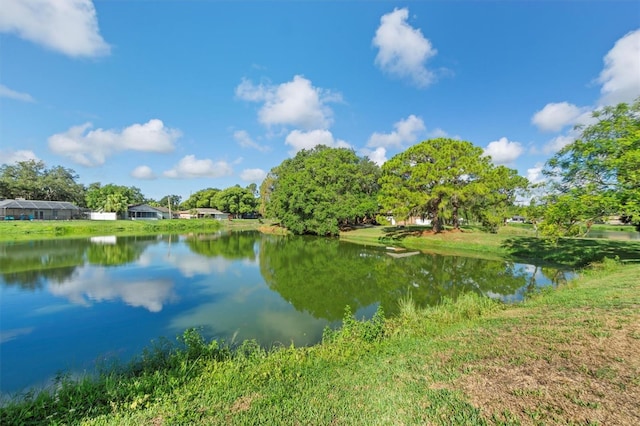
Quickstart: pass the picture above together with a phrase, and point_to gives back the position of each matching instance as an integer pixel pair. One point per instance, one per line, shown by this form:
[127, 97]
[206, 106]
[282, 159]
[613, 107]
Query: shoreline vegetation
[33, 230]
[564, 356]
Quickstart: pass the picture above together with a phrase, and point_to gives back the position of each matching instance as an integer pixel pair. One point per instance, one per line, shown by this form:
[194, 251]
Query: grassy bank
[562, 357]
[25, 230]
[512, 242]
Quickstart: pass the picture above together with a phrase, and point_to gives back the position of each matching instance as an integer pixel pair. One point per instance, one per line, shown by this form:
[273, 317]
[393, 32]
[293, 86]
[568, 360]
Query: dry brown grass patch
[559, 371]
[243, 403]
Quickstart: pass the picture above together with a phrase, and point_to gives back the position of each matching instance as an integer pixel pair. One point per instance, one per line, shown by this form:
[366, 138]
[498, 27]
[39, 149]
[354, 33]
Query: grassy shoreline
[517, 243]
[512, 242]
[561, 357]
[19, 230]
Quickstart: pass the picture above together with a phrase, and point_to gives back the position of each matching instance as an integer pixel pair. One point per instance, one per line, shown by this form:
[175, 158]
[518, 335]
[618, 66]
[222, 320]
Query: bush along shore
[565, 356]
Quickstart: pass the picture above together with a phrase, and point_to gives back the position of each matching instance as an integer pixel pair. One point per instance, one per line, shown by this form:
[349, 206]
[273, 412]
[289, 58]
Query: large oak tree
[322, 189]
[440, 177]
[32, 180]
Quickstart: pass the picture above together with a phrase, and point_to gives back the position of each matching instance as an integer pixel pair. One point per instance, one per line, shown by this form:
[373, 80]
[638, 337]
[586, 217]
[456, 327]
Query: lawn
[518, 243]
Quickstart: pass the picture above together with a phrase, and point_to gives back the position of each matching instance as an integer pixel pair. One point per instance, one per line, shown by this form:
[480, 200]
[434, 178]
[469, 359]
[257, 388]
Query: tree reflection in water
[322, 276]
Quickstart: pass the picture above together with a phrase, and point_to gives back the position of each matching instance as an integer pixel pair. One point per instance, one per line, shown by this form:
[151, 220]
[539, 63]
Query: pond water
[66, 305]
[625, 235]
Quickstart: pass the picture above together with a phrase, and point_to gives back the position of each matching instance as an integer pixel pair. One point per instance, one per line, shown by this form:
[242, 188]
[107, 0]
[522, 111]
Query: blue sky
[177, 96]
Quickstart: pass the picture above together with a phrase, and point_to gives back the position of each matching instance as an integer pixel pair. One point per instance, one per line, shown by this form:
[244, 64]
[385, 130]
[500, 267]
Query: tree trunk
[436, 225]
[454, 215]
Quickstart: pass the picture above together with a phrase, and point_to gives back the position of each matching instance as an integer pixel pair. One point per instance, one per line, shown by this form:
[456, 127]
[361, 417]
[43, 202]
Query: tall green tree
[59, 184]
[432, 177]
[201, 199]
[33, 181]
[112, 198]
[601, 169]
[170, 201]
[236, 200]
[494, 195]
[321, 189]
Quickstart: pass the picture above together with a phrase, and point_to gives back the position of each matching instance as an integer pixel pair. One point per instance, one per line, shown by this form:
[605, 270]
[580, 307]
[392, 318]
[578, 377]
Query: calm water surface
[67, 304]
[625, 235]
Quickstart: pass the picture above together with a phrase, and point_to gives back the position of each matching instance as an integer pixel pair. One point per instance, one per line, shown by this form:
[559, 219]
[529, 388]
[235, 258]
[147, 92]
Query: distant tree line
[323, 190]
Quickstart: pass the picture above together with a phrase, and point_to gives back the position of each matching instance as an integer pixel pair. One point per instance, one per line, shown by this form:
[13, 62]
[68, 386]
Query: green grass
[622, 228]
[561, 357]
[25, 230]
[517, 243]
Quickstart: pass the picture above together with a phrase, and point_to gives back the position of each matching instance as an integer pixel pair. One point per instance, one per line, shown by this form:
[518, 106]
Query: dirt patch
[559, 371]
[272, 229]
[243, 403]
[431, 232]
[157, 421]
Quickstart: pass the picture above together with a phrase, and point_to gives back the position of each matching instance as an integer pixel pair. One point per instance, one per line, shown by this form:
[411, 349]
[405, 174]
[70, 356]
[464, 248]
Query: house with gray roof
[145, 211]
[20, 209]
[201, 212]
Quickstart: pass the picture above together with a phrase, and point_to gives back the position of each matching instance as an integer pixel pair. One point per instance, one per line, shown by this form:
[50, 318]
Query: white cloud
[5, 92]
[247, 91]
[149, 294]
[534, 174]
[378, 155]
[253, 175]
[143, 172]
[92, 147]
[556, 116]
[245, 141]
[559, 142]
[620, 77]
[66, 26]
[306, 140]
[295, 103]
[12, 157]
[439, 133]
[190, 167]
[403, 50]
[503, 151]
[406, 131]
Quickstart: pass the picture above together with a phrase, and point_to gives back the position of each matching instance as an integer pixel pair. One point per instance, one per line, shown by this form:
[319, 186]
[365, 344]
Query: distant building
[19, 209]
[201, 212]
[516, 219]
[147, 212]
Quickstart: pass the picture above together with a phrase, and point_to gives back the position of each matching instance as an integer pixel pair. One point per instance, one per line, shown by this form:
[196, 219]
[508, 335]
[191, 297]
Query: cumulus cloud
[557, 143]
[92, 147]
[12, 157]
[378, 155]
[406, 131]
[245, 141]
[439, 133]
[253, 175]
[66, 26]
[534, 174]
[620, 77]
[556, 116]
[503, 151]
[402, 49]
[191, 167]
[95, 285]
[5, 92]
[306, 140]
[143, 172]
[295, 103]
